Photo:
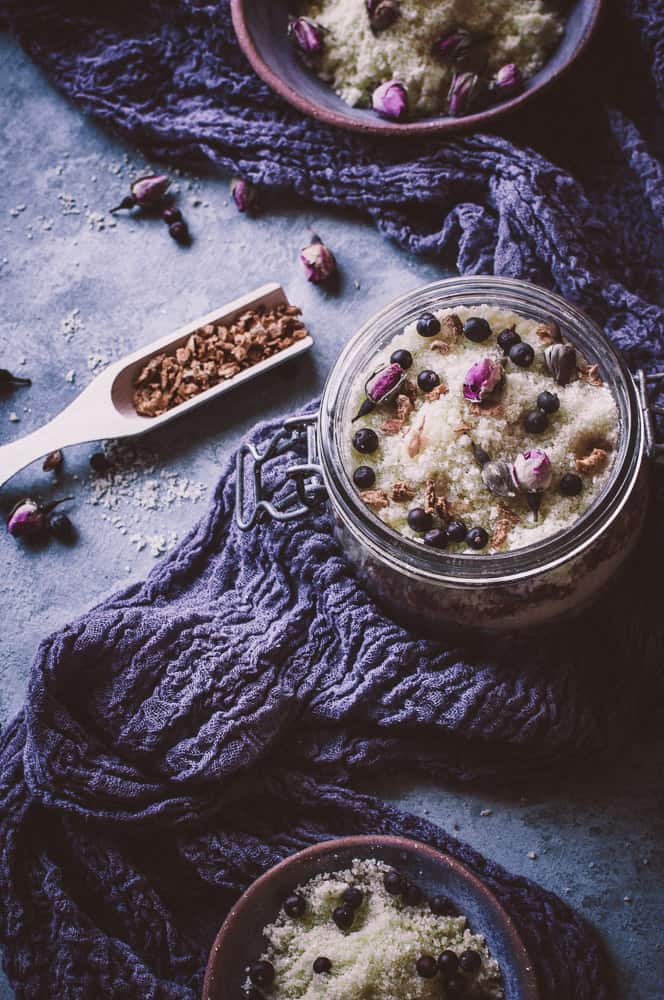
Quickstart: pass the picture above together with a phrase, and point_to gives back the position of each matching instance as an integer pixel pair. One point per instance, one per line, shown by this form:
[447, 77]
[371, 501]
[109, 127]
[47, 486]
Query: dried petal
[561, 362]
[594, 462]
[375, 498]
[52, 461]
[402, 492]
[532, 472]
[391, 100]
[497, 477]
[481, 379]
[307, 35]
[318, 261]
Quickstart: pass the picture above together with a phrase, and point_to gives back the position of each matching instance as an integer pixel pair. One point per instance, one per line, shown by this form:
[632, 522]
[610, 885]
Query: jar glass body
[528, 586]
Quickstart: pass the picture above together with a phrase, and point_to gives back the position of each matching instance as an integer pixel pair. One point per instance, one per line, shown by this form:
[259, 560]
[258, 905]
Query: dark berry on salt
[428, 380]
[571, 485]
[507, 339]
[548, 401]
[456, 531]
[322, 964]
[343, 917]
[470, 961]
[295, 905]
[352, 896]
[448, 963]
[402, 358]
[426, 966]
[522, 355]
[420, 520]
[393, 883]
[428, 325]
[179, 232]
[171, 215]
[476, 329]
[535, 422]
[436, 538]
[365, 440]
[261, 973]
[477, 538]
[61, 527]
[364, 477]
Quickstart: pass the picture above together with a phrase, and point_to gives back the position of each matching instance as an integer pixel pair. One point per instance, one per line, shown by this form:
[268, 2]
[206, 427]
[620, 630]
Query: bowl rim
[252, 893]
[383, 127]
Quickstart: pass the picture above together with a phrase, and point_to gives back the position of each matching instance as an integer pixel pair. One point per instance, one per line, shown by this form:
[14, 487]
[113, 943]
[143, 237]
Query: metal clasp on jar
[651, 387]
[307, 477]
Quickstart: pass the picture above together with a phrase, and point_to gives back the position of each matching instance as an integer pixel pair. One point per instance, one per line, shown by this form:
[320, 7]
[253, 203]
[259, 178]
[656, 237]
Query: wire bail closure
[307, 477]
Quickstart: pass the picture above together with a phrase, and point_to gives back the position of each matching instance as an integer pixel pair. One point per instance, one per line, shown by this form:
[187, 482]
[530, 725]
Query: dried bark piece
[590, 374]
[594, 462]
[440, 346]
[549, 333]
[391, 426]
[416, 439]
[463, 429]
[409, 389]
[487, 410]
[404, 407]
[430, 497]
[451, 326]
[440, 390]
[402, 492]
[377, 499]
[506, 521]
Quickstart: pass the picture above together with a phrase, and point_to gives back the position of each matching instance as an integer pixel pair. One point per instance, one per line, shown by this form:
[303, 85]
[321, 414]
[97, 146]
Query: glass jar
[430, 589]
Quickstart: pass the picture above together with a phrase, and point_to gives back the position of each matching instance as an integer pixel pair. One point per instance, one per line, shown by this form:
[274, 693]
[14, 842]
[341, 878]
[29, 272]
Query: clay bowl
[240, 939]
[261, 26]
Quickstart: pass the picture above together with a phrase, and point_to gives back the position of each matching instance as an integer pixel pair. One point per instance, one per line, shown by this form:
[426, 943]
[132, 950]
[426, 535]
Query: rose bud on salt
[390, 100]
[318, 261]
[532, 472]
[561, 362]
[507, 82]
[481, 379]
[454, 44]
[382, 13]
[466, 92]
[244, 194]
[307, 35]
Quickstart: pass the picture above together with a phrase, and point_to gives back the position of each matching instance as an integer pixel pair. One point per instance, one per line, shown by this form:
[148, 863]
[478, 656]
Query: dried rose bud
[466, 92]
[318, 261]
[481, 379]
[390, 100]
[507, 82]
[244, 194]
[385, 384]
[497, 477]
[28, 517]
[146, 192]
[382, 13]
[307, 35]
[9, 381]
[454, 44]
[531, 471]
[53, 461]
[561, 362]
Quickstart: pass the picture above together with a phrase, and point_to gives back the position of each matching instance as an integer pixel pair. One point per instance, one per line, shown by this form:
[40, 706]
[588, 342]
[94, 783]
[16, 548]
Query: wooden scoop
[105, 408]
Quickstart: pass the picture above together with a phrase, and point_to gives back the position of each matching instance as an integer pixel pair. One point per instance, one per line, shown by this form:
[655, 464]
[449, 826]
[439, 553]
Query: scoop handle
[90, 417]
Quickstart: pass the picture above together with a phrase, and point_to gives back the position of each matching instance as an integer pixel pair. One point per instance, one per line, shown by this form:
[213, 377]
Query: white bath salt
[68, 204]
[71, 324]
[14, 417]
[435, 441]
[376, 958]
[356, 60]
[70, 376]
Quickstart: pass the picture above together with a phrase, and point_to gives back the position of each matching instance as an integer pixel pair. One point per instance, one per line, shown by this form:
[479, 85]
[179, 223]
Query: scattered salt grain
[14, 417]
[70, 376]
[486, 812]
[532, 855]
[71, 324]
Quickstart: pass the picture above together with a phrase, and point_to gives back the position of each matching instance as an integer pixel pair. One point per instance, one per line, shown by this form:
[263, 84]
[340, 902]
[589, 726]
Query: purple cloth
[195, 728]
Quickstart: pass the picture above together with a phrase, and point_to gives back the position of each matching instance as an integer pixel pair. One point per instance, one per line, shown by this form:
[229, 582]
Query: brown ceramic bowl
[240, 939]
[261, 28]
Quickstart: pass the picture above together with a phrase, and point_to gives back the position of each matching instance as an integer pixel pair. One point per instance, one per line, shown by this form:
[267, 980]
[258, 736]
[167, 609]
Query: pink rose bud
[481, 379]
[150, 190]
[454, 44]
[318, 261]
[29, 518]
[465, 93]
[390, 100]
[532, 471]
[383, 383]
[507, 82]
[244, 194]
[306, 35]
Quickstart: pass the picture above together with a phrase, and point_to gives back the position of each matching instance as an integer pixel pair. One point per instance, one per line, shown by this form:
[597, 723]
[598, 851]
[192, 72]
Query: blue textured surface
[115, 320]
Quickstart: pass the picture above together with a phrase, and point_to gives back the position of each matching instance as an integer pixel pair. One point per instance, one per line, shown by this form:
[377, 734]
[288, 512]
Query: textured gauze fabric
[192, 730]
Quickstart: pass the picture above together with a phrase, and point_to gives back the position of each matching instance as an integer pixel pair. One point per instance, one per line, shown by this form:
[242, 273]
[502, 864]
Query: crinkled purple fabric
[194, 729]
